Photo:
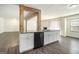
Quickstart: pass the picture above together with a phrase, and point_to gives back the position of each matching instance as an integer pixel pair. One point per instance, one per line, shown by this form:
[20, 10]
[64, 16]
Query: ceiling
[48, 10]
[9, 11]
[54, 10]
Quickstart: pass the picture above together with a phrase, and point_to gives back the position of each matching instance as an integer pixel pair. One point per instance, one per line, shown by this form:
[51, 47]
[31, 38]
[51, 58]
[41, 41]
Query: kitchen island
[33, 40]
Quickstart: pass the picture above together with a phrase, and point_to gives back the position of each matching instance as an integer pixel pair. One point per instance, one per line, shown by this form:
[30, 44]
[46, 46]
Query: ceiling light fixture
[72, 5]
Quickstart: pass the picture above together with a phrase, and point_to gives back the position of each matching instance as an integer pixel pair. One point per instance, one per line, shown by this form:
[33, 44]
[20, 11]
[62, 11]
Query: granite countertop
[38, 31]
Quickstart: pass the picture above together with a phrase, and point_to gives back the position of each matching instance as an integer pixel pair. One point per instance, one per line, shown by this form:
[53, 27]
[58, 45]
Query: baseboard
[72, 37]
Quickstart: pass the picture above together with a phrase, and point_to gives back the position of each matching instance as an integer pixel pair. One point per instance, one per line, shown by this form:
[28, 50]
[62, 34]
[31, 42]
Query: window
[75, 25]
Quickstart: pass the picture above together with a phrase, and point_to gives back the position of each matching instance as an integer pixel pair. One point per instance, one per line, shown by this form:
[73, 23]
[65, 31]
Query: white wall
[32, 24]
[11, 25]
[66, 28]
[9, 11]
[55, 25]
[69, 32]
[45, 23]
[1, 25]
[63, 27]
[10, 16]
[52, 24]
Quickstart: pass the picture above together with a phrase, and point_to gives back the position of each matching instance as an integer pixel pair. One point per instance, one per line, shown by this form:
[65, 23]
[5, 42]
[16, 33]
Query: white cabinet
[50, 37]
[26, 42]
[46, 38]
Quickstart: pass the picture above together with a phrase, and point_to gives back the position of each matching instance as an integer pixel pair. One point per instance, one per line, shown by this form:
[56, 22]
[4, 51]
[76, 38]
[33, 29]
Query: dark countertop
[39, 31]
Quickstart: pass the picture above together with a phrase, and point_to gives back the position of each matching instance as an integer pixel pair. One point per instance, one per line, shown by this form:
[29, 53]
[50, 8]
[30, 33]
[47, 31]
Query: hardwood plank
[8, 40]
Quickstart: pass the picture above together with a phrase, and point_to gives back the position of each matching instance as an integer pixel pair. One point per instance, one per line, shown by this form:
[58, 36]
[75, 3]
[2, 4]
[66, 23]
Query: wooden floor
[66, 45]
[7, 40]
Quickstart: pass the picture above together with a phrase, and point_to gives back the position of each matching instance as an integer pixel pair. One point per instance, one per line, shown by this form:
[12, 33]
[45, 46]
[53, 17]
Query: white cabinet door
[30, 41]
[23, 43]
[50, 37]
[46, 38]
[26, 42]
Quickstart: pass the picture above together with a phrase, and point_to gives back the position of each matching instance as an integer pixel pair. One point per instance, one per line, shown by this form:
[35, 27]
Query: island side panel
[26, 42]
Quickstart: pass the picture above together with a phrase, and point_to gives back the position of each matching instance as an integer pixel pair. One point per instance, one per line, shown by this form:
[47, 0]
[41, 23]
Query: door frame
[37, 13]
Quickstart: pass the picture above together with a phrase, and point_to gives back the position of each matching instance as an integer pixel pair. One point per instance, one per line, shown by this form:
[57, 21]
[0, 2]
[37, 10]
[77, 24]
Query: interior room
[39, 29]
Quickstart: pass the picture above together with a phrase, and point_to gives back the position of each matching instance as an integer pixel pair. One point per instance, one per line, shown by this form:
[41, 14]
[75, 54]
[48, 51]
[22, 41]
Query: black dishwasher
[38, 39]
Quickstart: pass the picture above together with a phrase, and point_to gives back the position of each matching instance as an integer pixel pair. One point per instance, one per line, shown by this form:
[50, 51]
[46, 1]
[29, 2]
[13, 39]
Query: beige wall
[9, 18]
[51, 24]
[32, 24]
[1, 25]
[45, 23]
[63, 26]
[9, 25]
